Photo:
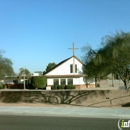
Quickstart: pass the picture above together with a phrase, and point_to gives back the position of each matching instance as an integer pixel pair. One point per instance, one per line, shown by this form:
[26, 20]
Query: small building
[67, 72]
[14, 82]
[37, 73]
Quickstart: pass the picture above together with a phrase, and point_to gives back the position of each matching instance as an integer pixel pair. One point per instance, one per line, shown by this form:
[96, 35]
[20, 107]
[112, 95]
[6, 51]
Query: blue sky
[34, 33]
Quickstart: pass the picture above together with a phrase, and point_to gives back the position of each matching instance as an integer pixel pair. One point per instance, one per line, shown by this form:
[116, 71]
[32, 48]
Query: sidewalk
[67, 111]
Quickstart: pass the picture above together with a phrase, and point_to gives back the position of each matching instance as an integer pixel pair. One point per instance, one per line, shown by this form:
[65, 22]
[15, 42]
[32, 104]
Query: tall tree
[49, 66]
[89, 64]
[112, 58]
[6, 68]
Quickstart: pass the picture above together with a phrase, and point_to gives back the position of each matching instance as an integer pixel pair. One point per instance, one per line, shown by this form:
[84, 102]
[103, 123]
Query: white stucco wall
[49, 81]
[64, 69]
[76, 81]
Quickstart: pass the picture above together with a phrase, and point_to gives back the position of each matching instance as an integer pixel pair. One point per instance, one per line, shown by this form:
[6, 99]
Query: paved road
[67, 111]
[22, 122]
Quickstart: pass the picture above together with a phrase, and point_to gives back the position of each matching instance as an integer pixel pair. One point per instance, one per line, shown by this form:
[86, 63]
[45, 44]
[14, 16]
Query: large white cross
[73, 48]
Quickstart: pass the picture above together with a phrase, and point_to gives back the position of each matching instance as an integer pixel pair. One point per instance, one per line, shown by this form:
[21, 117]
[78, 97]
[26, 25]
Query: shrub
[60, 87]
[2, 86]
[53, 87]
[69, 87]
[97, 85]
[39, 82]
[30, 86]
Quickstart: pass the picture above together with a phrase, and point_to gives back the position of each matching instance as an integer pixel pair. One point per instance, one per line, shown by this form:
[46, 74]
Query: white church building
[67, 73]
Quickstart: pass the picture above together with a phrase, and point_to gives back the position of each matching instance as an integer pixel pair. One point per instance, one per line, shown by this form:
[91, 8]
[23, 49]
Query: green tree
[6, 68]
[121, 57]
[89, 66]
[113, 58]
[39, 81]
[91, 69]
[49, 66]
[118, 60]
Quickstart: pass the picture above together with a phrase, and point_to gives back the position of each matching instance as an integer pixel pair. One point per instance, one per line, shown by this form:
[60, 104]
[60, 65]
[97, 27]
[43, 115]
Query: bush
[60, 87]
[53, 87]
[97, 85]
[69, 87]
[30, 86]
[2, 86]
[39, 82]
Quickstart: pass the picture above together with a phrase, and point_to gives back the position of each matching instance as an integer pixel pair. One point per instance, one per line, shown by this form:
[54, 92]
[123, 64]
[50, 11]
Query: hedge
[53, 87]
[60, 87]
[2, 86]
[69, 87]
[97, 85]
[39, 82]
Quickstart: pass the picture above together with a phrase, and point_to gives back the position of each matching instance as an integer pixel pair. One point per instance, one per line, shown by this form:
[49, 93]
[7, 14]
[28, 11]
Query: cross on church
[73, 48]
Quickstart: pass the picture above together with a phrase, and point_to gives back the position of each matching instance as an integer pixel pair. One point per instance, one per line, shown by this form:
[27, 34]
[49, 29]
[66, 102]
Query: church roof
[62, 63]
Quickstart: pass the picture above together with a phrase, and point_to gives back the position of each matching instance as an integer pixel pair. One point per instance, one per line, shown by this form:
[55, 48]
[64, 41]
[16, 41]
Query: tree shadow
[111, 101]
[67, 97]
[11, 97]
[126, 104]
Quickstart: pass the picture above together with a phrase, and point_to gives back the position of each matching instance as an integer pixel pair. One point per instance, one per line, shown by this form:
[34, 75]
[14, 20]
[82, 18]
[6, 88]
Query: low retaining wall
[91, 98]
[14, 86]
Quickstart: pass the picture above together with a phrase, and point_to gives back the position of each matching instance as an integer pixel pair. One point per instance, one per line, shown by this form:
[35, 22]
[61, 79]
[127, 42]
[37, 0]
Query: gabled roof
[62, 63]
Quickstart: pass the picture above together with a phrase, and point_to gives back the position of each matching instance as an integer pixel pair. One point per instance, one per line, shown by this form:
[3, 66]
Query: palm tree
[24, 72]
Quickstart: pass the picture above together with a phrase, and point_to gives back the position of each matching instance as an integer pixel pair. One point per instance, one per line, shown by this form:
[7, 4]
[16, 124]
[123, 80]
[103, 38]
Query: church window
[71, 68]
[63, 82]
[56, 82]
[70, 81]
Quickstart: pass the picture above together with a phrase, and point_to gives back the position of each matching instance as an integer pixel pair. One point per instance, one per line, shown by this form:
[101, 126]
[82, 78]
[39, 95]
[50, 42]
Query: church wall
[77, 82]
[64, 69]
[82, 80]
[49, 82]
